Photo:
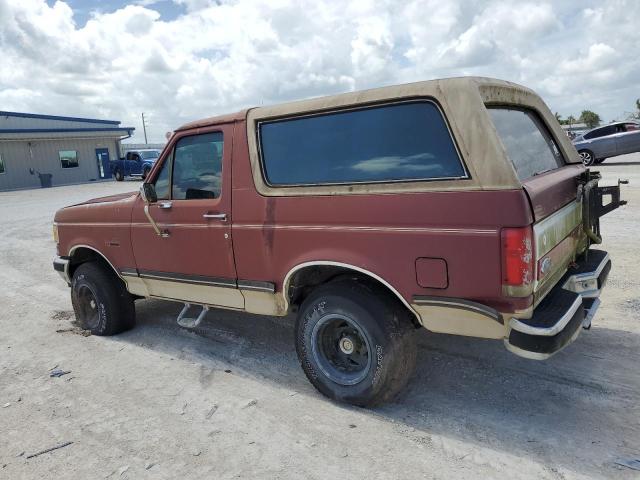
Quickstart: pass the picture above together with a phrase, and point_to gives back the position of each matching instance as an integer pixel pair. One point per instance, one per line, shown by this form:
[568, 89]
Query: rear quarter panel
[381, 233]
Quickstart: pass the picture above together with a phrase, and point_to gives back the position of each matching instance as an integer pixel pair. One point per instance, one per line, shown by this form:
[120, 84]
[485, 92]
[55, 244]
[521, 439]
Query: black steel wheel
[355, 342]
[341, 349]
[100, 300]
[87, 305]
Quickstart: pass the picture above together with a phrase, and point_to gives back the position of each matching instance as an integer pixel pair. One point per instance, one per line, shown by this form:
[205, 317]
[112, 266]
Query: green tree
[571, 120]
[559, 118]
[638, 108]
[592, 119]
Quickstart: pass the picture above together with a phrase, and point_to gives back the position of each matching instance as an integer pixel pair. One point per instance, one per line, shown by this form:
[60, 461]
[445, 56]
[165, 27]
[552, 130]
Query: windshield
[528, 143]
[149, 154]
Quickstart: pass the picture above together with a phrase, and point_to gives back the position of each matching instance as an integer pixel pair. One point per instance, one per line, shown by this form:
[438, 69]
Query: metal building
[45, 150]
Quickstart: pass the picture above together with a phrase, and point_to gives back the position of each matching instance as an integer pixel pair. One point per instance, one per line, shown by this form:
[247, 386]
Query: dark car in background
[615, 139]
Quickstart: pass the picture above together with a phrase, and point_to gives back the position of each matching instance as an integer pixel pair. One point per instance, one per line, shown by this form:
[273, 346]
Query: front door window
[197, 167]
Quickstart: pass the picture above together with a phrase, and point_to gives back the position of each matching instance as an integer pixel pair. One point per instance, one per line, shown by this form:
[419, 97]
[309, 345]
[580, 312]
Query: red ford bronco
[456, 205]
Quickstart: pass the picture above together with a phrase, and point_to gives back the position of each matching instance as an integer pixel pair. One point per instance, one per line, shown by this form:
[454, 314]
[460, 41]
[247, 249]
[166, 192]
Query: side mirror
[148, 193]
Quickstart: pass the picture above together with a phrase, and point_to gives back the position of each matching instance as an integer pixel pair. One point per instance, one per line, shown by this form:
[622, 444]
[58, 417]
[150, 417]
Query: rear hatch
[551, 185]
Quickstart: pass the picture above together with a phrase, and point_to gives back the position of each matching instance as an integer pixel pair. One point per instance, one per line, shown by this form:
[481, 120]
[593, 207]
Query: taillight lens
[517, 256]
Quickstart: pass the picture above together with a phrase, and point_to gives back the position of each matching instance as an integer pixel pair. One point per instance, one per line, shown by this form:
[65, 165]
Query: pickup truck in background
[136, 163]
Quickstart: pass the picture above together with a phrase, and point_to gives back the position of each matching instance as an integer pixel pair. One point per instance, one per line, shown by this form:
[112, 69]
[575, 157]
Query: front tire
[119, 176]
[587, 157]
[145, 172]
[100, 300]
[355, 343]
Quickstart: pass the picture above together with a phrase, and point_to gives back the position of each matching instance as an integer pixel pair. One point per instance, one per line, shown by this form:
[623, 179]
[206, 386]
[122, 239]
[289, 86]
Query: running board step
[187, 322]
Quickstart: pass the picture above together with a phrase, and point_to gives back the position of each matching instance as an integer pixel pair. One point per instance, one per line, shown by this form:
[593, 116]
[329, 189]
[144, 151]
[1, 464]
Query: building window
[68, 158]
[391, 143]
[1, 165]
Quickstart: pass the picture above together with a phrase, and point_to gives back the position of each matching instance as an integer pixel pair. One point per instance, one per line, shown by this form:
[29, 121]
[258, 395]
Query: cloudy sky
[178, 60]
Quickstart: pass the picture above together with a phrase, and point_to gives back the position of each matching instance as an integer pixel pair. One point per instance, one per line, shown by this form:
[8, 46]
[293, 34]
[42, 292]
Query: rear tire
[119, 176]
[100, 300]
[587, 157]
[355, 343]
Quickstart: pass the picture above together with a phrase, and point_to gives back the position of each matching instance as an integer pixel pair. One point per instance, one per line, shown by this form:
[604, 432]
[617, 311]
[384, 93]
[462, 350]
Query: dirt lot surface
[230, 400]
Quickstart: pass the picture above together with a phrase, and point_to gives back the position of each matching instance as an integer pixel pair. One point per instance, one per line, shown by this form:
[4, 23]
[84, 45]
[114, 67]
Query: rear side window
[528, 143]
[601, 132]
[401, 142]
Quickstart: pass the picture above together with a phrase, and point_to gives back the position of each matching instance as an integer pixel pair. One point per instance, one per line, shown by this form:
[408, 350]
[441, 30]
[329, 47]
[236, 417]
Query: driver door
[191, 259]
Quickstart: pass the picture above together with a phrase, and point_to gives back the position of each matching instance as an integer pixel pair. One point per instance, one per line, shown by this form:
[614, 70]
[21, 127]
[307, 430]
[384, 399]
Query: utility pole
[144, 127]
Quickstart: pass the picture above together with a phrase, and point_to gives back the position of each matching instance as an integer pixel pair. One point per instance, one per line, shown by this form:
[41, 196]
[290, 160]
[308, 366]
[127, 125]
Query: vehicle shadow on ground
[465, 389]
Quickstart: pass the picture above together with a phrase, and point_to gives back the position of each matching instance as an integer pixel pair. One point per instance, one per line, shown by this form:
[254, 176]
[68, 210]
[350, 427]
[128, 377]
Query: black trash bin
[45, 179]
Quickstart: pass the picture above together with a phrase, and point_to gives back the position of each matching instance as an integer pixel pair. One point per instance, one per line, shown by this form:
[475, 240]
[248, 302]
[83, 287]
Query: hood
[109, 198]
[110, 209]
[113, 208]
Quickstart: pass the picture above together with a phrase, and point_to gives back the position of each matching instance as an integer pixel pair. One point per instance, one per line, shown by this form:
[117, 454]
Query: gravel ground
[230, 400]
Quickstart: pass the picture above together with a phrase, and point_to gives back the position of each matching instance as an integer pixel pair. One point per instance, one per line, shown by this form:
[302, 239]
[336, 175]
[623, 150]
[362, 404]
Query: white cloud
[371, 49]
[223, 55]
[597, 58]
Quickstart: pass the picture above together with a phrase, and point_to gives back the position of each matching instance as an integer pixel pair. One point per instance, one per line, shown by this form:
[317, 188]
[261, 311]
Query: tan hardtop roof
[355, 97]
[462, 101]
[206, 122]
[392, 91]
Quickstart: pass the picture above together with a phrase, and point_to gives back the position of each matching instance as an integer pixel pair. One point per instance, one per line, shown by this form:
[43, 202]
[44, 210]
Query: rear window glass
[401, 142]
[528, 143]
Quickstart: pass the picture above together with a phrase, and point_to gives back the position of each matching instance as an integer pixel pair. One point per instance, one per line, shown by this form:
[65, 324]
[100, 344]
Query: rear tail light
[517, 260]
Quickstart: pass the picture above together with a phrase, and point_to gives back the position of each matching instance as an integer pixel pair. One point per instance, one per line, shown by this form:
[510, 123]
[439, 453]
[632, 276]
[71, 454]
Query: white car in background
[619, 138]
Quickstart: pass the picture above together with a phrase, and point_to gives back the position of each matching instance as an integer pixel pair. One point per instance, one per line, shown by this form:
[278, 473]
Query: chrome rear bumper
[571, 304]
[586, 283]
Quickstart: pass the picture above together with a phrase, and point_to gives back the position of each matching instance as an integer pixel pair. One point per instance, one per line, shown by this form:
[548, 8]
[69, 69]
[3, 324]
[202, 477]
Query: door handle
[165, 205]
[218, 216]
